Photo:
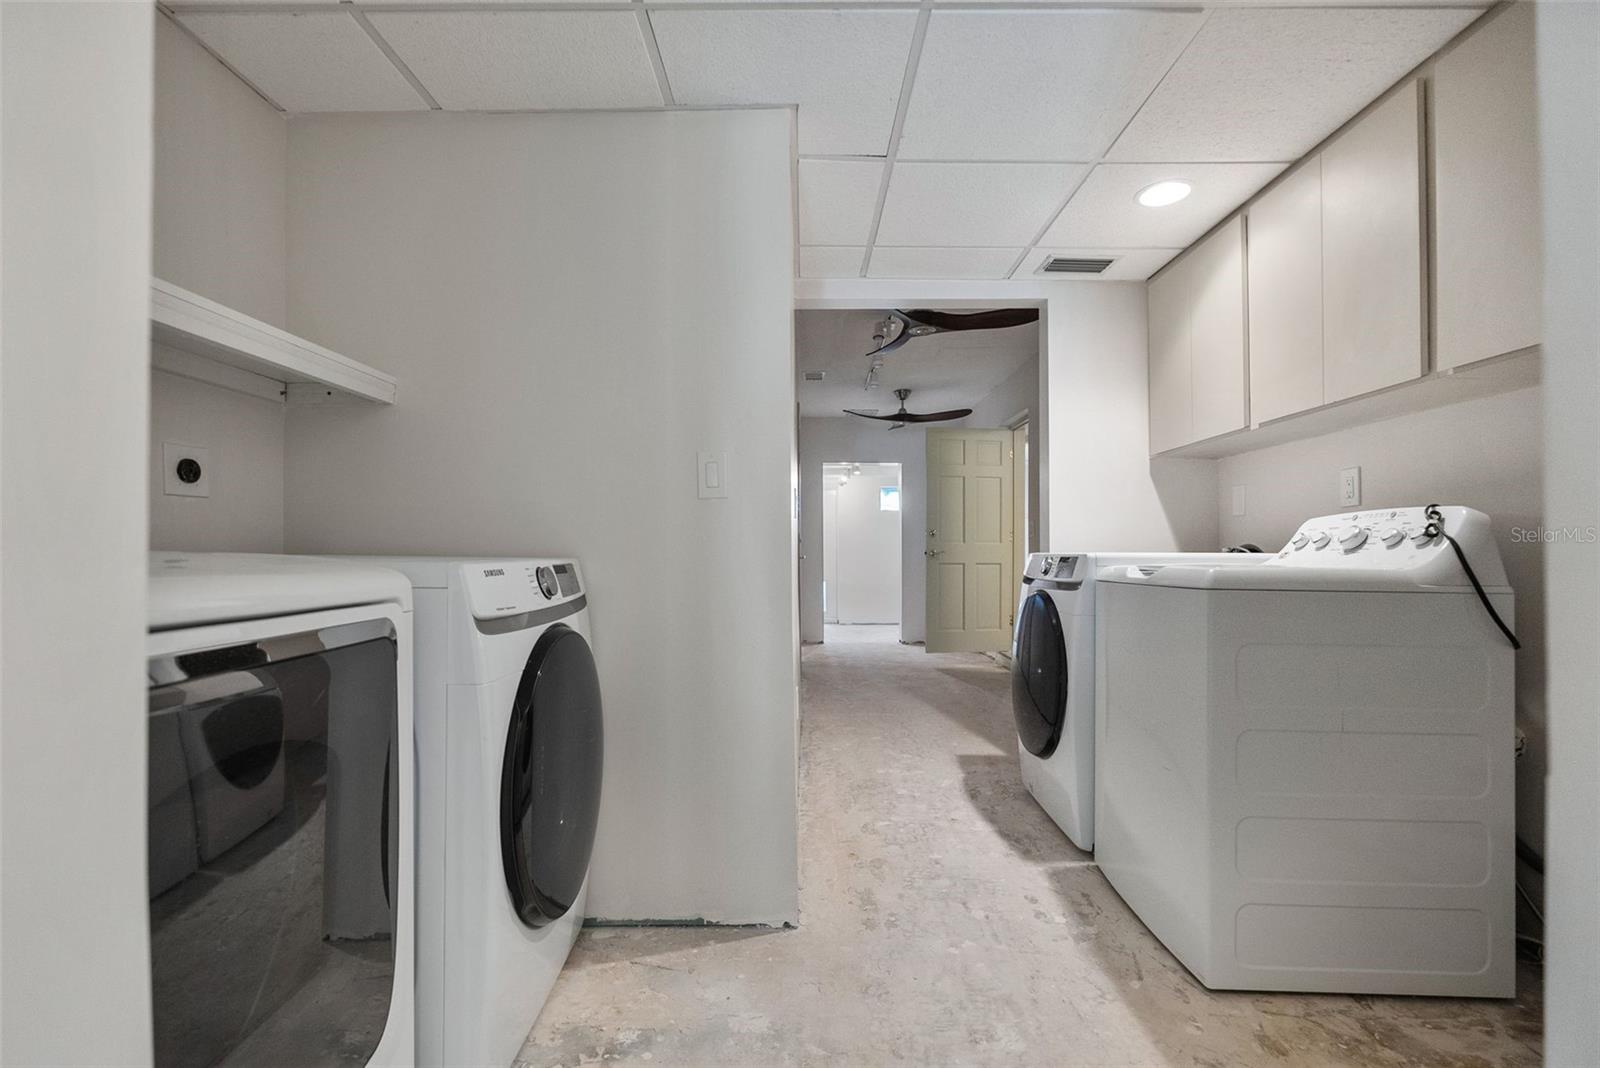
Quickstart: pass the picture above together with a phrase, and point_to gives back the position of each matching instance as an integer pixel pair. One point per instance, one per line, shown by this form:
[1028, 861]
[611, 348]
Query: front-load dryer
[509, 755]
[1052, 678]
[280, 811]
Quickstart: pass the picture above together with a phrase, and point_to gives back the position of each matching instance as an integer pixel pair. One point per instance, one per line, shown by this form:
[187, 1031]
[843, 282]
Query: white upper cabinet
[1286, 295]
[1373, 323]
[1487, 222]
[1217, 332]
[1197, 339]
[1171, 421]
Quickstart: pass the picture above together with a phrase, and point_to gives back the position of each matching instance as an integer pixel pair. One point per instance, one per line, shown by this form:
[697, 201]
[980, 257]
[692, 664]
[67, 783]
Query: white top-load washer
[1052, 677]
[509, 756]
[280, 811]
[1305, 768]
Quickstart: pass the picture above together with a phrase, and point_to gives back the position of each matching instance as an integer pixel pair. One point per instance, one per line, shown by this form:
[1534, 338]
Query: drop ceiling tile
[941, 262]
[1104, 214]
[973, 204]
[837, 199]
[1269, 83]
[831, 262]
[1127, 264]
[843, 67]
[505, 60]
[307, 61]
[1038, 85]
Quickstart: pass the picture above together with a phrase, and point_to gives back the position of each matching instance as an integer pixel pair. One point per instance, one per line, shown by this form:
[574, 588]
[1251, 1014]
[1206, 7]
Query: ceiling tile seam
[663, 83]
[229, 67]
[1134, 114]
[393, 57]
[1205, 20]
[908, 81]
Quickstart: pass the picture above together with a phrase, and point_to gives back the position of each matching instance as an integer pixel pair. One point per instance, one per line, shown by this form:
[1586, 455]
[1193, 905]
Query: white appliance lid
[1382, 549]
[193, 589]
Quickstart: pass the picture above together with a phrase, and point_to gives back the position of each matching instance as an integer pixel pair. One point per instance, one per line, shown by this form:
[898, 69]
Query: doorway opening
[861, 550]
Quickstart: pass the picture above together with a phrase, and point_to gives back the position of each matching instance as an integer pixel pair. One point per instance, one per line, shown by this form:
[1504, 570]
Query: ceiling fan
[899, 327]
[902, 417]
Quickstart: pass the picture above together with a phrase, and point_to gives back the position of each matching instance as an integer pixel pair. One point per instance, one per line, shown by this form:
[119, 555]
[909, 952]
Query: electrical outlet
[1350, 487]
[1238, 500]
[187, 470]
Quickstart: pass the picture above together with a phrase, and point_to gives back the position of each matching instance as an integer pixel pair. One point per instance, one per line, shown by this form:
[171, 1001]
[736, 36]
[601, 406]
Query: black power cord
[1435, 529]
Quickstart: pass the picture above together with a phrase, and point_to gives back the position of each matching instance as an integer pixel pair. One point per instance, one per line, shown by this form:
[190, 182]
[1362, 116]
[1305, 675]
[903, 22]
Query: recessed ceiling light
[1163, 193]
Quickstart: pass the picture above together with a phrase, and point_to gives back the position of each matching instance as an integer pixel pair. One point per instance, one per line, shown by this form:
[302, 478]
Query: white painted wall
[220, 155]
[574, 305]
[74, 207]
[1104, 492]
[1569, 85]
[244, 439]
[1487, 454]
[866, 547]
[220, 227]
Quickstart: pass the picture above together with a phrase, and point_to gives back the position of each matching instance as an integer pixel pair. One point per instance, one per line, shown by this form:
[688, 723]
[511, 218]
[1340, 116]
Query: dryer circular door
[550, 780]
[1039, 676]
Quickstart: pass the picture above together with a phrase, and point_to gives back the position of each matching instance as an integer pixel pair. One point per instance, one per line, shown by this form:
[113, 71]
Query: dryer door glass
[273, 845]
[1039, 676]
[550, 781]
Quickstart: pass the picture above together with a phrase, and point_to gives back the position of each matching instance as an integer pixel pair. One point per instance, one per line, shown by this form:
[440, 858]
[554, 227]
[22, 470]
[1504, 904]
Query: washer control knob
[1353, 538]
[547, 583]
[1320, 540]
[1299, 540]
[1393, 537]
[1420, 537]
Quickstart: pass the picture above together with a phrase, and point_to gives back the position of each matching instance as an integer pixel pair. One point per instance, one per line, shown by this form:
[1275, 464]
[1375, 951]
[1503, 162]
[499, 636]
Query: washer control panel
[1061, 567]
[1381, 537]
[500, 588]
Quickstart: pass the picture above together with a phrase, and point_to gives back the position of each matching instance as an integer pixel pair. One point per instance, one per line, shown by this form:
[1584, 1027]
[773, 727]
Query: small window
[889, 499]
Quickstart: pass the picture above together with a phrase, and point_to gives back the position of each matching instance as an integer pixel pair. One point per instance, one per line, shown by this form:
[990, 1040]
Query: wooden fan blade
[998, 319]
[934, 417]
[869, 415]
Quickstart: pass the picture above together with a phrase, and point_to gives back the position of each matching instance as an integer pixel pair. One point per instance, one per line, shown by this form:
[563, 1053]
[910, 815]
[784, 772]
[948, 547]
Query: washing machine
[1306, 767]
[509, 755]
[1052, 678]
[280, 811]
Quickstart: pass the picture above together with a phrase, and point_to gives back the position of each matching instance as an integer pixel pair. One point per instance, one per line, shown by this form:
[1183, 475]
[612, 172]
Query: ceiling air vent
[1073, 265]
[815, 376]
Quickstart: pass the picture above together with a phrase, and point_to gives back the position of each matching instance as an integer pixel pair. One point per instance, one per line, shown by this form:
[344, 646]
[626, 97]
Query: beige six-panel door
[970, 581]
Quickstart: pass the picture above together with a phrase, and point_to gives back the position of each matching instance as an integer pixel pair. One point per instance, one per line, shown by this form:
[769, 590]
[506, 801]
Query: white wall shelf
[202, 339]
[1502, 374]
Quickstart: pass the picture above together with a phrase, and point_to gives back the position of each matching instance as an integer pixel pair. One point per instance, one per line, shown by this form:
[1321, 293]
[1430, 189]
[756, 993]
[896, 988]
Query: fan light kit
[1164, 193]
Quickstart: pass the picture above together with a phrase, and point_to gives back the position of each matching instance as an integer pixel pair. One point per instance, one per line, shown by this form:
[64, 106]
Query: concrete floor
[946, 920]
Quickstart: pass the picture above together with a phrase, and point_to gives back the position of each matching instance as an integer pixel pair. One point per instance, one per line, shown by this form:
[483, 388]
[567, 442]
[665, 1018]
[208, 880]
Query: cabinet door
[1216, 332]
[1372, 297]
[1170, 404]
[1285, 271]
[1488, 276]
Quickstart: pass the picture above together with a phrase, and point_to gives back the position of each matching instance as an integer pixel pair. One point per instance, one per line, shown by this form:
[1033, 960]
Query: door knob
[932, 552]
[933, 533]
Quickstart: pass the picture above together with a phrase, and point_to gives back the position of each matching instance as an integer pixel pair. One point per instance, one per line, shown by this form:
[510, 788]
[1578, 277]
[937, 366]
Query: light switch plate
[1238, 500]
[713, 475]
[172, 454]
[1350, 487]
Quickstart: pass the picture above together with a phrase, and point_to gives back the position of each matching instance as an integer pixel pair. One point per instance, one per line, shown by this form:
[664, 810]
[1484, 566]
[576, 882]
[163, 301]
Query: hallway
[945, 920]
